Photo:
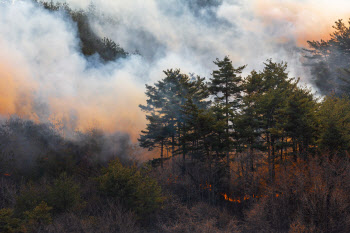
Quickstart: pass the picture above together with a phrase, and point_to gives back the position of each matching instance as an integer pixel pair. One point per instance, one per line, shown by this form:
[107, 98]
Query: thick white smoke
[196, 32]
[44, 76]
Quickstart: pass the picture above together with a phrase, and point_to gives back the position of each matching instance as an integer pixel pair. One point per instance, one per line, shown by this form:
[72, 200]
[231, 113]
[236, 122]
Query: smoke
[25, 144]
[303, 19]
[44, 76]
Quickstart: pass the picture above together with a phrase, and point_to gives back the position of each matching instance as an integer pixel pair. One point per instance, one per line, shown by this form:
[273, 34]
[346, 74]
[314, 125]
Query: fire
[6, 174]
[246, 197]
[227, 198]
[172, 179]
[205, 186]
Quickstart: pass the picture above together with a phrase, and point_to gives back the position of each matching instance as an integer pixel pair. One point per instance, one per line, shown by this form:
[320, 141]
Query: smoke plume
[45, 78]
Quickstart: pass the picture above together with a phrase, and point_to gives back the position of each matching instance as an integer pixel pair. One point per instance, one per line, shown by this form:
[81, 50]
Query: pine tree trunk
[273, 158]
[172, 145]
[251, 158]
[269, 159]
[161, 153]
[282, 150]
[183, 151]
[227, 137]
[300, 150]
[294, 151]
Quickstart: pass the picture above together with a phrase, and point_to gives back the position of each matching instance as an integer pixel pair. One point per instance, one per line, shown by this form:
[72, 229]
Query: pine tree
[162, 113]
[270, 102]
[300, 121]
[329, 60]
[167, 116]
[246, 123]
[196, 103]
[334, 116]
[226, 88]
[155, 135]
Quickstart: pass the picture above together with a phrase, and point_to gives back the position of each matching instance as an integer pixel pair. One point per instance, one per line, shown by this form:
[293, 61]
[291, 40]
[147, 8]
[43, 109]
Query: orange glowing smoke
[306, 20]
[116, 110]
[15, 91]
[6, 174]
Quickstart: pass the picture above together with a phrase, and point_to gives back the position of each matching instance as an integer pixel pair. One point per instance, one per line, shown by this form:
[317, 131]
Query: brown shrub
[111, 217]
[202, 217]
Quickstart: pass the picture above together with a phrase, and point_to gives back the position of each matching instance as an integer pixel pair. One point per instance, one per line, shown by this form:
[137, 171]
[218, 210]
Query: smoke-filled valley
[174, 116]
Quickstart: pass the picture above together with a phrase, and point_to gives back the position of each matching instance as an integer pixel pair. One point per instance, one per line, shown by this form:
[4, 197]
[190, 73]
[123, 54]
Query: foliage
[40, 215]
[8, 223]
[168, 111]
[64, 194]
[29, 197]
[225, 86]
[329, 60]
[91, 44]
[137, 191]
[30, 221]
[334, 118]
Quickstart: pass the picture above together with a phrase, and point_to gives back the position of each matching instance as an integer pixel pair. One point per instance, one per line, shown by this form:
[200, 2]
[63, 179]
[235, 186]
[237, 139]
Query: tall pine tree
[226, 87]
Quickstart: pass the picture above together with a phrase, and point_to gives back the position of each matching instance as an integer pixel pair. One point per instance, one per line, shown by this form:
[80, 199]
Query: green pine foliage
[8, 222]
[226, 87]
[64, 194]
[267, 112]
[31, 221]
[334, 124]
[39, 216]
[170, 107]
[29, 197]
[130, 186]
[329, 60]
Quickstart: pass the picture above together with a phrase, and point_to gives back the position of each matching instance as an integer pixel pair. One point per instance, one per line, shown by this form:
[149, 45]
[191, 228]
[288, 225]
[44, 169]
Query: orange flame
[246, 197]
[206, 186]
[227, 198]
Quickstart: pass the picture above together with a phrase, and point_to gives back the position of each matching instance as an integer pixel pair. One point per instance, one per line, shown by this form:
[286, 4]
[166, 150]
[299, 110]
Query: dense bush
[9, 223]
[38, 217]
[29, 197]
[31, 221]
[128, 185]
[64, 194]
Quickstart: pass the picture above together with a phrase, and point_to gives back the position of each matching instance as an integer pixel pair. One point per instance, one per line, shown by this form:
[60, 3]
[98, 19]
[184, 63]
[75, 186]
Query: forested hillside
[90, 43]
[241, 150]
